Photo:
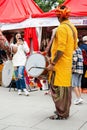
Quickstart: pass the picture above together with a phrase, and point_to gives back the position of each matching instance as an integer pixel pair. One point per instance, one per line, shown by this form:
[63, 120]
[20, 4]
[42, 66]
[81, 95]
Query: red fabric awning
[77, 7]
[12, 11]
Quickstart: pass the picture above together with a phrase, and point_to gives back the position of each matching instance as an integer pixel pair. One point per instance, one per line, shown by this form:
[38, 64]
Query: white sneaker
[19, 92]
[26, 92]
[81, 100]
[78, 101]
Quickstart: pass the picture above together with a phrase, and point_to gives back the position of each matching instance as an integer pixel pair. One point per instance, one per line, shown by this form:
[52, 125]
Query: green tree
[47, 5]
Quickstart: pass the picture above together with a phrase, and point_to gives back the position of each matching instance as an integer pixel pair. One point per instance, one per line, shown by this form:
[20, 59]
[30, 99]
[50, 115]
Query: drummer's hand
[44, 53]
[50, 67]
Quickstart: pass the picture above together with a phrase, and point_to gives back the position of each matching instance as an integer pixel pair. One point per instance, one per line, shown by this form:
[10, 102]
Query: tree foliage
[47, 5]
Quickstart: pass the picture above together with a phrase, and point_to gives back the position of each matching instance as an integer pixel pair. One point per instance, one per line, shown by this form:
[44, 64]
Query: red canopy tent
[16, 11]
[78, 13]
[15, 14]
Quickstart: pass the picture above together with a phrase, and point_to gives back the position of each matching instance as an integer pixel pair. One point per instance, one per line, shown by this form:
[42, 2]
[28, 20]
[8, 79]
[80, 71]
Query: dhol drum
[36, 66]
[7, 73]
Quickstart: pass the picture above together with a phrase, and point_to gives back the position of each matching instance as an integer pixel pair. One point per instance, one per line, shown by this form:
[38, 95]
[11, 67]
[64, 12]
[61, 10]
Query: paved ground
[32, 112]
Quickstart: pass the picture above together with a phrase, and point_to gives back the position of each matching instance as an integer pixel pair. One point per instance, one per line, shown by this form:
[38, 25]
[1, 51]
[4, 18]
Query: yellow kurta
[64, 42]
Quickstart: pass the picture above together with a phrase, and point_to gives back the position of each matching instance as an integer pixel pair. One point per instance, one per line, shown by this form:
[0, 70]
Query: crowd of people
[67, 67]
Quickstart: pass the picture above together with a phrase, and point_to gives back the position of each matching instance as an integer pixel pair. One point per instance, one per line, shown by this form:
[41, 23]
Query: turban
[62, 11]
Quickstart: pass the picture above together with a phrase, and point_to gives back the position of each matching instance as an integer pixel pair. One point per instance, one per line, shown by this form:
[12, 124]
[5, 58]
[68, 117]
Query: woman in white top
[20, 48]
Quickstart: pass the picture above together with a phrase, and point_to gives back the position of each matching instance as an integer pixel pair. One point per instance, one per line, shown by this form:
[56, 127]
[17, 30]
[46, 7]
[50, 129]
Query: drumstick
[51, 41]
[37, 68]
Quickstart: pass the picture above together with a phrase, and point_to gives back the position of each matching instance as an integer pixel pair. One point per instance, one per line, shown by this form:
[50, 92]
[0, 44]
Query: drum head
[7, 73]
[34, 61]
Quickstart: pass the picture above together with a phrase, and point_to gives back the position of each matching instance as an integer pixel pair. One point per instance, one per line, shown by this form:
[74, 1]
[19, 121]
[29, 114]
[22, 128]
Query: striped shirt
[77, 63]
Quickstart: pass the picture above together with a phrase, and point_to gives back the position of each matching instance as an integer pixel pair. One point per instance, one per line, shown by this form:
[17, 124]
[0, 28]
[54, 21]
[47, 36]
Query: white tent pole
[39, 34]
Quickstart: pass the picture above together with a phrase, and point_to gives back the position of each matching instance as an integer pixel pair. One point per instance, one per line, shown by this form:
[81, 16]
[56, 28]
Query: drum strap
[74, 36]
[50, 43]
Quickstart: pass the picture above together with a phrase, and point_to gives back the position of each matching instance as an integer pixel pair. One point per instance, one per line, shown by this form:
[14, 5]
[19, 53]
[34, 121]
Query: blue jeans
[19, 76]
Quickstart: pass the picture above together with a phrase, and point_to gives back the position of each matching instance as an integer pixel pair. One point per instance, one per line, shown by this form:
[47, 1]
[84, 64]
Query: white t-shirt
[19, 58]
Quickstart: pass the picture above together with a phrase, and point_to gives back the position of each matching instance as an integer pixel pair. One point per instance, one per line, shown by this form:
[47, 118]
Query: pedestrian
[64, 43]
[20, 48]
[77, 71]
[83, 47]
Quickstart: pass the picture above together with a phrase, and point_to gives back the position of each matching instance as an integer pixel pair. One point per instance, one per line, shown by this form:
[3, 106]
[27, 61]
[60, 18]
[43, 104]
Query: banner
[42, 22]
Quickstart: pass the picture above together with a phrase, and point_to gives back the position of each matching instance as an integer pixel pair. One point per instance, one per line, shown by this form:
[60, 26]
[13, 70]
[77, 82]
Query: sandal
[56, 117]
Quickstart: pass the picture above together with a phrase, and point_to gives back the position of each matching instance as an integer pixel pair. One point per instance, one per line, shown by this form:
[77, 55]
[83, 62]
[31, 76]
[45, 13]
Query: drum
[36, 65]
[7, 73]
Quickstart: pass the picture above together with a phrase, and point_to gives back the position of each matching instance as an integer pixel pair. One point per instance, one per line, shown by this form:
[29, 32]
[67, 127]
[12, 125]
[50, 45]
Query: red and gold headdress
[62, 11]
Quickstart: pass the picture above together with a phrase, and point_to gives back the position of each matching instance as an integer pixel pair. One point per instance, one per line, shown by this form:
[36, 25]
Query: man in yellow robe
[64, 43]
